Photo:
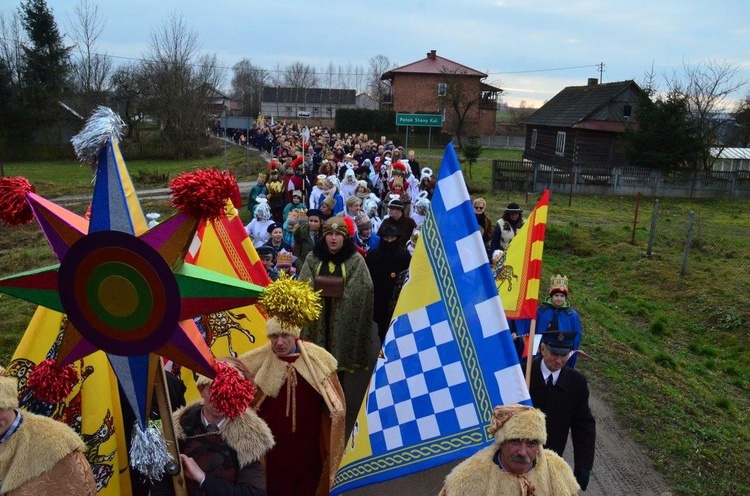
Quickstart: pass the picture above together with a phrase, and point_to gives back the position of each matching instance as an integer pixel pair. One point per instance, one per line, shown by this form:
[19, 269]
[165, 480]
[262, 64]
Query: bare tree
[707, 87]
[247, 86]
[459, 98]
[300, 75]
[359, 79]
[130, 87]
[12, 40]
[184, 85]
[328, 75]
[378, 88]
[91, 70]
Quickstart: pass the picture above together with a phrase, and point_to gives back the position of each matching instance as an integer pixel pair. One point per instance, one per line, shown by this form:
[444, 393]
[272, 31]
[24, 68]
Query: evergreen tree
[47, 61]
[471, 151]
[666, 135]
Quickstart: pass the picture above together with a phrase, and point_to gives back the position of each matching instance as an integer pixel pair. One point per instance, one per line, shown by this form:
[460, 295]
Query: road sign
[419, 120]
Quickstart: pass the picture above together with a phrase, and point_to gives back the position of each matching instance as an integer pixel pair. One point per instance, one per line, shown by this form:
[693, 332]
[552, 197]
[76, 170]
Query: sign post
[419, 120]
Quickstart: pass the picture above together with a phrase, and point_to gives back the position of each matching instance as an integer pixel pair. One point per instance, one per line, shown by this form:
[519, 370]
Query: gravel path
[620, 466]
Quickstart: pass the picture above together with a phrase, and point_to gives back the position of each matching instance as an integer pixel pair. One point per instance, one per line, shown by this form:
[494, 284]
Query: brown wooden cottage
[583, 125]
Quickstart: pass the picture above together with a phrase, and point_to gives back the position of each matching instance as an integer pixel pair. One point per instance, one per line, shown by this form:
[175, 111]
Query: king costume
[299, 395]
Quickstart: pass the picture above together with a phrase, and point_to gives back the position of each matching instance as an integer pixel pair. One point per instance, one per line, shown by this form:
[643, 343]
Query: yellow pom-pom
[291, 302]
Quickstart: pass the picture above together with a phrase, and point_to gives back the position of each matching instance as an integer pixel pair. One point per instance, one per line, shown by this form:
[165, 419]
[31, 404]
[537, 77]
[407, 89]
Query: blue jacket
[374, 241]
[551, 318]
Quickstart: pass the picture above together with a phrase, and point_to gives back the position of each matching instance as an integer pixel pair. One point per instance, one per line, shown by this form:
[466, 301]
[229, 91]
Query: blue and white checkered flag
[448, 357]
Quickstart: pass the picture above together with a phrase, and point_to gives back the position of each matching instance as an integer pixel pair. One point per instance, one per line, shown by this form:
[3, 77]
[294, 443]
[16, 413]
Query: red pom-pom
[231, 393]
[398, 168]
[50, 383]
[14, 209]
[350, 228]
[272, 165]
[203, 193]
[297, 161]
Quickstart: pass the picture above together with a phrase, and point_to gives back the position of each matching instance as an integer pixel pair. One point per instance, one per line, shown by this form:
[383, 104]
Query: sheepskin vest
[480, 476]
[36, 449]
[269, 373]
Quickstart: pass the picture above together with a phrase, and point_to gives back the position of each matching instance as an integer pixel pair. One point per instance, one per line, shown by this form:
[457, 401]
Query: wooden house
[583, 125]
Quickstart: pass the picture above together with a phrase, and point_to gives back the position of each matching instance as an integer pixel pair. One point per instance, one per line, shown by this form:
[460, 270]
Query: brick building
[425, 85]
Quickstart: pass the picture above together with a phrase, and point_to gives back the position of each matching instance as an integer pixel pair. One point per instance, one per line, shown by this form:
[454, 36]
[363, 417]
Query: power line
[324, 72]
[545, 70]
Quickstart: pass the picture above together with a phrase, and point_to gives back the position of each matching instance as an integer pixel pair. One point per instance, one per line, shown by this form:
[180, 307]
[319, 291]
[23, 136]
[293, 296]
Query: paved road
[620, 466]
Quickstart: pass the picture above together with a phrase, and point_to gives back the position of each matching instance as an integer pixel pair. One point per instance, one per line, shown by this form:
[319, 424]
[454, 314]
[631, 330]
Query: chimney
[432, 54]
[592, 82]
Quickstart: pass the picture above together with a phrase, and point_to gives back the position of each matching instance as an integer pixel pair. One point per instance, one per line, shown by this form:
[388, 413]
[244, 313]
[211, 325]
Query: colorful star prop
[129, 295]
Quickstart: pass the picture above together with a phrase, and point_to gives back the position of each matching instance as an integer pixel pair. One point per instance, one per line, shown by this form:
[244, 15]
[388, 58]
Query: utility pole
[601, 72]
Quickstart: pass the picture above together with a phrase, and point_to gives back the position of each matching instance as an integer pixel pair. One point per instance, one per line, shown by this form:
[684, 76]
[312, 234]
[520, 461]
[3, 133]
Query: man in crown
[557, 314]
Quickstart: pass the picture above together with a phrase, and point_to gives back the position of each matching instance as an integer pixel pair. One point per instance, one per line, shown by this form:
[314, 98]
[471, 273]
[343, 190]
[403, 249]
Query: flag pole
[314, 373]
[530, 357]
[165, 412]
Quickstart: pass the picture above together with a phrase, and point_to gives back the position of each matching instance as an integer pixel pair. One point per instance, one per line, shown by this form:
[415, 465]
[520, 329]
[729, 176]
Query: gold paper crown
[283, 259]
[558, 282]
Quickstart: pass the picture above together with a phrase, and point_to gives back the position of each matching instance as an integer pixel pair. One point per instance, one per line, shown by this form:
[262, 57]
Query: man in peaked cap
[515, 464]
[39, 456]
[562, 394]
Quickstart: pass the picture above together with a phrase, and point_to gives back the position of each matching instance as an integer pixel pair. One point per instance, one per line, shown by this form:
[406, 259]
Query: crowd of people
[342, 214]
[319, 174]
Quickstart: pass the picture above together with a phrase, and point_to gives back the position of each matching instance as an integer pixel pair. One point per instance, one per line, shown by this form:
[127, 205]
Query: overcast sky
[518, 43]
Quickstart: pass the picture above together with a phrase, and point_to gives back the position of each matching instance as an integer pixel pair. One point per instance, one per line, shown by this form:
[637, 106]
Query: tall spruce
[47, 61]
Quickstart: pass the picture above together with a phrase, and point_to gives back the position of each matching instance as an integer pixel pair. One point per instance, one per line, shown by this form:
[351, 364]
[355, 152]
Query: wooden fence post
[635, 217]
[654, 216]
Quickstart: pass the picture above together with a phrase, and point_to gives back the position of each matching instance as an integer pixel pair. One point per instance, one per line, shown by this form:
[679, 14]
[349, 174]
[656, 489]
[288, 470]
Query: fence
[525, 175]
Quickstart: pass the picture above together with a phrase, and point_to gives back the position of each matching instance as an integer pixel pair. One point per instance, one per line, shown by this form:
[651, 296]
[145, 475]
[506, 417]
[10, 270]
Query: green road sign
[423, 120]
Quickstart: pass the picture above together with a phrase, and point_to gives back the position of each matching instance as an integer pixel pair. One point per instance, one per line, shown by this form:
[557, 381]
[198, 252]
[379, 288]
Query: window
[442, 89]
[316, 109]
[533, 139]
[302, 109]
[627, 111]
[289, 109]
[560, 145]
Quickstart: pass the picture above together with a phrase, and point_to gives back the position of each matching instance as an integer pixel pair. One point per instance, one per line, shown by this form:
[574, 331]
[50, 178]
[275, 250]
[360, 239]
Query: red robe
[294, 465]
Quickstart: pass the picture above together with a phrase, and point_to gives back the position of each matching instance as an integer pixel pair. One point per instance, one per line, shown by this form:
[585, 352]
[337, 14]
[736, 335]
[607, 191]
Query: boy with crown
[557, 314]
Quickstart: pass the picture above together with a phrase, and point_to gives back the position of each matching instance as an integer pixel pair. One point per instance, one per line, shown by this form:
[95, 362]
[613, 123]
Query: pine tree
[471, 151]
[47, 60]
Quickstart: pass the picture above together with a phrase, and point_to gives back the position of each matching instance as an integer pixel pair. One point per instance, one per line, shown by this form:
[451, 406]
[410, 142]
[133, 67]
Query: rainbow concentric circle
[119, 293]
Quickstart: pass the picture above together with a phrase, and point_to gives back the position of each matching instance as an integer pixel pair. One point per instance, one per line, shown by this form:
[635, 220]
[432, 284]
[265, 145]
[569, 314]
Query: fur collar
[270, 372]
[347, 250]
[35, 448]
[248, 434]
[478, 474]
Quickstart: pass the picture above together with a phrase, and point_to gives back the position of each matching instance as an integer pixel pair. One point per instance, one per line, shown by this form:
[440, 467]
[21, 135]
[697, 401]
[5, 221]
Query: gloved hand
[582, 476]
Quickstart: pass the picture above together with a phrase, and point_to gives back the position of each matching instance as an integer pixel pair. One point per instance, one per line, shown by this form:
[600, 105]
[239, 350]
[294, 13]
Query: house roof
[433, 64]
[575, 104]
[308, 95]
[731, 153]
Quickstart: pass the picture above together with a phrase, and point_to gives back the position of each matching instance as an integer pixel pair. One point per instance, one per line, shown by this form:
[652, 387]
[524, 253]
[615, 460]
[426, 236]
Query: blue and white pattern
[448, 358]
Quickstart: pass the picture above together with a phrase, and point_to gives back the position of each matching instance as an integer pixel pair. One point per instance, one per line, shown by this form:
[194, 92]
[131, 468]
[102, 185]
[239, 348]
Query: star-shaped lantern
[126, 292]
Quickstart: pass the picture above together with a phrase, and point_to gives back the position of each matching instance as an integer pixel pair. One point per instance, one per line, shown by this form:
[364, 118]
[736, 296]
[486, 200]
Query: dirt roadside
[620, 468]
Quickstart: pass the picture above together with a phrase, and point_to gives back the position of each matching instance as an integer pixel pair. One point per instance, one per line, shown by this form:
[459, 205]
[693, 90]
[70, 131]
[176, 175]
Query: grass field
[670, 352]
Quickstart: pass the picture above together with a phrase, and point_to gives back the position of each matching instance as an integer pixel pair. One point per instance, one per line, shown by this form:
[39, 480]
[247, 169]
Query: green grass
[671, 352]
[54, 179]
